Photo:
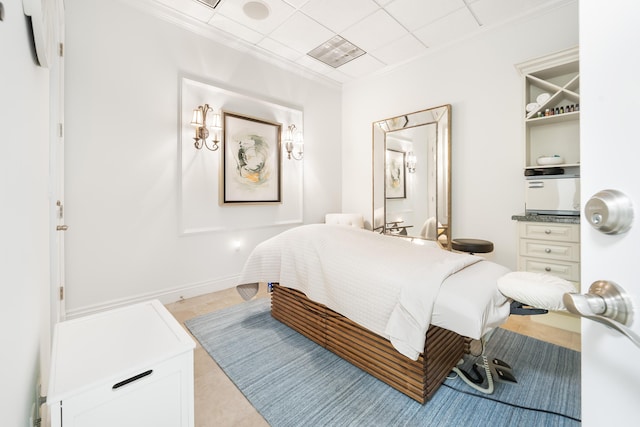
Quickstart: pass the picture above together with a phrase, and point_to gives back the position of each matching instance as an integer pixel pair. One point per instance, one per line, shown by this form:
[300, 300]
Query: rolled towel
[535, 289]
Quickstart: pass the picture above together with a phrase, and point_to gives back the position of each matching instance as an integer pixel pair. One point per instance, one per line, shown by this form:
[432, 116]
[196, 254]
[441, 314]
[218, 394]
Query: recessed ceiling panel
[336, 52]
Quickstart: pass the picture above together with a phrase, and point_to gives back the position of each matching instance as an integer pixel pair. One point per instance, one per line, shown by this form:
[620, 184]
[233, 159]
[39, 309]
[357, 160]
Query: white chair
[429, 229]
[347, 219]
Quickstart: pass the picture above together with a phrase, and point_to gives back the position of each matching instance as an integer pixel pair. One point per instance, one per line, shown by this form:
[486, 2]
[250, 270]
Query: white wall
[24, 246]
[123, 70]
[479, 79]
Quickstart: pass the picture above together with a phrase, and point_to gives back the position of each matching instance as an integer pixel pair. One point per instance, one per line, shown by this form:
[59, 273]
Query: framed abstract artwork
[395, 184]
[251, 160]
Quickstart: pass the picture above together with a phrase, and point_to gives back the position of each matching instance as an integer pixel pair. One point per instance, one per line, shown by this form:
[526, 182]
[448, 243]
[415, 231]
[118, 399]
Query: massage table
[403, 312]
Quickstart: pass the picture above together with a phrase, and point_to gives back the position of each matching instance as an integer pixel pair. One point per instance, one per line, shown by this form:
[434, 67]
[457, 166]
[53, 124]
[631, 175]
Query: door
[610, 150]
[56, 184]
[56, 155]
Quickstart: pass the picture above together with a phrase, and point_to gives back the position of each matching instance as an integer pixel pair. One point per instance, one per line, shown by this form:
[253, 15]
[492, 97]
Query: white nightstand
[131, 366]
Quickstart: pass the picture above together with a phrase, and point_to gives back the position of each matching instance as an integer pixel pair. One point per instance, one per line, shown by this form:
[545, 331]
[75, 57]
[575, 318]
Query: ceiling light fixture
[256, 10]
[336, 52]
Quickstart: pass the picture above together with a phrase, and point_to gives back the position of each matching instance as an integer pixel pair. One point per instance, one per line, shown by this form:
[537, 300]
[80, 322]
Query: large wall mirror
[412, 175]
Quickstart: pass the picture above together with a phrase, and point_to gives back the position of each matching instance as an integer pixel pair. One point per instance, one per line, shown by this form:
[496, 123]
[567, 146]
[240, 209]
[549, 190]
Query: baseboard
[165, 296]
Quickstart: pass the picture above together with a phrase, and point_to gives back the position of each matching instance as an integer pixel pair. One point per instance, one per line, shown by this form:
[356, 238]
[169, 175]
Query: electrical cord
[546, 411]
[476, 384]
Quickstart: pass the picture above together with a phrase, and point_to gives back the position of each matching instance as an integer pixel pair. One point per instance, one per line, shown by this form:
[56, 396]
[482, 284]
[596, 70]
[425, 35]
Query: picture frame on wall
[395, 182]
[252, 156]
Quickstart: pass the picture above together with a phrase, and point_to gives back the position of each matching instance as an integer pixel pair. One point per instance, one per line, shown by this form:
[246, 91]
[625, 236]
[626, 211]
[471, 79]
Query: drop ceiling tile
[234, 29]
[301, 33]
[361, 66]
[190, 8]
[297, 3]
[339, 14]
[314, 64]
[380, 27]
[374, 31]
[280, 11]
[338, 76]
[280, 49]
[448, 29]
[491, 12]
[414, 14]
[400, 50]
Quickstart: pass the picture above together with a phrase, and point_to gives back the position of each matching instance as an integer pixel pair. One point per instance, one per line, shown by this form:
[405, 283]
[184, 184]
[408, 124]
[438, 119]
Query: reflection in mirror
[412, 175]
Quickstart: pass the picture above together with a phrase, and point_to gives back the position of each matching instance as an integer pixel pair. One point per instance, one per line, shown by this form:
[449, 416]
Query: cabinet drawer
[564, 270]
[558, 251]
[550, 231]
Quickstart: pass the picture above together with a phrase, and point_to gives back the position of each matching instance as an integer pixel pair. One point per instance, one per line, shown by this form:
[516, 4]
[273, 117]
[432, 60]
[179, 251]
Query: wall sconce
[411, 162]
[199, 120]
[294, 143]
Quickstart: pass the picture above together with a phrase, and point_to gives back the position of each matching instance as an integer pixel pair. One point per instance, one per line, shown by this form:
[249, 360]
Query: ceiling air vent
[210, 3]
[336, 52]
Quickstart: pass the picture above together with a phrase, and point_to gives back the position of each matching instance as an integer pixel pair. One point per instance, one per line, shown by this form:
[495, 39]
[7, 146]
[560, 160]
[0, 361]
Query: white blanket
[387, 285]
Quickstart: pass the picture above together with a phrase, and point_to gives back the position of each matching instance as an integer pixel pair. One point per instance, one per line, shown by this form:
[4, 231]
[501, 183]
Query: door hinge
[61, 293]
[60, 130]
[61, 49]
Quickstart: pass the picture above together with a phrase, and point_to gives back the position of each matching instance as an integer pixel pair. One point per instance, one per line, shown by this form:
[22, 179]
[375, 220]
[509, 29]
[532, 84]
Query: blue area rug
[292, 381]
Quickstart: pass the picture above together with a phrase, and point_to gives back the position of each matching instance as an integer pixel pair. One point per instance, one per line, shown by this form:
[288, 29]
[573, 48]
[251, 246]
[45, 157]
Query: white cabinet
[552, 108]
[551, 248]
[551, 111]
[132, 366]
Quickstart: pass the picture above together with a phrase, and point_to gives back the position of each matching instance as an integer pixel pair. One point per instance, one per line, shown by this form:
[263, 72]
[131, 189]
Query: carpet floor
[292, 381]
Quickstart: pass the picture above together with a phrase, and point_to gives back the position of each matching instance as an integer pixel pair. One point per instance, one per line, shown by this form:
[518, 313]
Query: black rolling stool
[472, 246]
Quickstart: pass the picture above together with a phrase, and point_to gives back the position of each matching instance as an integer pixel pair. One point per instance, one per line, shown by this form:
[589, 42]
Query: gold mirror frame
[398, 206]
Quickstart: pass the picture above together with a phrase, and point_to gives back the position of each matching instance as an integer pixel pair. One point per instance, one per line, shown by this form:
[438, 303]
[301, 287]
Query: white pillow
[535, 289]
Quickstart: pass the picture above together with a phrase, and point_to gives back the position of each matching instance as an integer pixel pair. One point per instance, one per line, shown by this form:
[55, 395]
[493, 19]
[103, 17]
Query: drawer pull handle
[547, 231]
[132, 379]
[547, 250]
[547, 269]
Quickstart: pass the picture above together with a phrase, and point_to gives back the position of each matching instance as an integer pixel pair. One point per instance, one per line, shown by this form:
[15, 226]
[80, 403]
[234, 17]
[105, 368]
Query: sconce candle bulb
[411, 162]
[199, 120]
[293, 143]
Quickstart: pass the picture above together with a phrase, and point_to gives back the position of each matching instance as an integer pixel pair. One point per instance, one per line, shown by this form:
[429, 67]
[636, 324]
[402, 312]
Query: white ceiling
[391, 32]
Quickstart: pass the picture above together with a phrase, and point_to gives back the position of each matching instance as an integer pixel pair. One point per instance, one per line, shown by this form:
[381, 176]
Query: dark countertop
[562, 219]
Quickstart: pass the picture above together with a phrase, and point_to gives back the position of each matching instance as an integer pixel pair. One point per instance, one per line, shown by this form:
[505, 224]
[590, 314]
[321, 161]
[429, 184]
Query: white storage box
[131, 366]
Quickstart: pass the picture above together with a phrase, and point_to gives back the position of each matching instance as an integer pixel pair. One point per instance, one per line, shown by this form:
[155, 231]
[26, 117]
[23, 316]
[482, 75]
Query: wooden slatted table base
[373, 354]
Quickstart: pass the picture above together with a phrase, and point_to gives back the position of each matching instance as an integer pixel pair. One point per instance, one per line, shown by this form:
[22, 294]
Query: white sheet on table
[470, 303]
[329, 264]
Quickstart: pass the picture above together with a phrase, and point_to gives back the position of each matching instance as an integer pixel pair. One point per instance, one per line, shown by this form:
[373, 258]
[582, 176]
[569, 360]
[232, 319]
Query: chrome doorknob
[609, 211]
[605, 303]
